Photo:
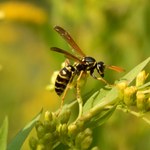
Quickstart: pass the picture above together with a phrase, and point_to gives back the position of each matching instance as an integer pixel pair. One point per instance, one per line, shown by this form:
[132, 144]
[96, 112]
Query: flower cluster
[137, 95]
[56, 131]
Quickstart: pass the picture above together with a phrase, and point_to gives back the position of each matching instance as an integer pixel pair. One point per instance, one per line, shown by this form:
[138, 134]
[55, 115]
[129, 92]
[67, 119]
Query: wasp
[82, 65]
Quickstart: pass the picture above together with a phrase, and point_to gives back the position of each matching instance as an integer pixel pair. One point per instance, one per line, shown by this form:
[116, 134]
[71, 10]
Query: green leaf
[100, 112]
[134, 72]
[144, 85]
[101, 99]
[101, 118]
[90, 102]
[3, 134]
[19, 139]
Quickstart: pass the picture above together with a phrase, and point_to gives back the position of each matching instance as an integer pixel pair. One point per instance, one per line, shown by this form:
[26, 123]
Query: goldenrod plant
[61, 131]
[58, 131]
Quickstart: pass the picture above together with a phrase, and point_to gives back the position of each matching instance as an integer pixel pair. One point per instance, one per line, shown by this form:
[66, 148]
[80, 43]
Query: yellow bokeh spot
[23, 11]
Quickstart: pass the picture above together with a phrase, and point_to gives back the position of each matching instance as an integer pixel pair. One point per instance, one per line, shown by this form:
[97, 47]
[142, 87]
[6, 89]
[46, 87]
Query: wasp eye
[100, 68]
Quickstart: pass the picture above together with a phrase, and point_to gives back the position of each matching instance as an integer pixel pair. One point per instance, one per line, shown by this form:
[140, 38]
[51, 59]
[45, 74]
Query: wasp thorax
[100, 68]
[90, 62]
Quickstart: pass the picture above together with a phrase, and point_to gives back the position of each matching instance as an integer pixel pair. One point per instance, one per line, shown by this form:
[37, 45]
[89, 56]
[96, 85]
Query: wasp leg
[110, 85]
[101, 79]
[62, 100]
[67, 62]
[79, 98]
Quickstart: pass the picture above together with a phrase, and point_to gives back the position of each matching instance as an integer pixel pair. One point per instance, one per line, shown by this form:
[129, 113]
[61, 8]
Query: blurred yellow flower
[2, 15]
[23, 11]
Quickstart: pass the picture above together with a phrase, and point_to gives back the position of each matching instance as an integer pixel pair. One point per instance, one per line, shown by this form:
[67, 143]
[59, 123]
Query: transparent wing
[66, 54]
[69, 39]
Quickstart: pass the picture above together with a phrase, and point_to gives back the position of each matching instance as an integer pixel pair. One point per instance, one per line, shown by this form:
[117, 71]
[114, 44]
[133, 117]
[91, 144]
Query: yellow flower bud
[121, 86]
[72, 130]
[80, 137]
[33, 143]
[148, 104]
[40, 147]
[64, 130]
[47, 138]
[86, 142]
[140, 100]
[141, 77]
[48, 116]
[128, 95]
[65, 116]
[95, 148]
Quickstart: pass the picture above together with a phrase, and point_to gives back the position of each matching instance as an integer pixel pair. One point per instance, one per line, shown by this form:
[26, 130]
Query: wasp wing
[66, 54]
[69, 39]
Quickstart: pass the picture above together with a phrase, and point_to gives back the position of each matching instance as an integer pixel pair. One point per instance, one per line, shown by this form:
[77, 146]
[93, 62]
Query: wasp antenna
[116, 68]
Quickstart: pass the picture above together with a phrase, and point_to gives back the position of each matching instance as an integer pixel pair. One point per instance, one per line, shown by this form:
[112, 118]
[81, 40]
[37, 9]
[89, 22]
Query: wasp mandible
[81, 66]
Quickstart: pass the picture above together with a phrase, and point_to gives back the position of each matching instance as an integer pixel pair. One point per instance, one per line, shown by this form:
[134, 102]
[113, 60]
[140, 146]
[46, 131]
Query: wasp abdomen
[64, 77]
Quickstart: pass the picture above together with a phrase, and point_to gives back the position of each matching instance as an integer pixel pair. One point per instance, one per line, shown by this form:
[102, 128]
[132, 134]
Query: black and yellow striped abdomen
[63, 78]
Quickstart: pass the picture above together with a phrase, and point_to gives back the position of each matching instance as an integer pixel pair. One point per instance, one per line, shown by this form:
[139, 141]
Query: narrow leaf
[19, 139]
[135, 71]
[100, 118]
[101, 99]
[89, 103]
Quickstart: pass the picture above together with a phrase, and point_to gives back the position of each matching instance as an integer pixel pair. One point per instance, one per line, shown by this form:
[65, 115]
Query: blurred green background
[114, 31]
